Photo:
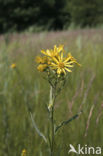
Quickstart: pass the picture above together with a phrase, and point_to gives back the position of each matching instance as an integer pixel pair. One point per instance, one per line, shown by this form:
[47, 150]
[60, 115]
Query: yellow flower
[55, 61]
[62, 65]
[23, 152]
[38, 59]
[42, 60]
[53, 52]
[42, 67]
[13, 65]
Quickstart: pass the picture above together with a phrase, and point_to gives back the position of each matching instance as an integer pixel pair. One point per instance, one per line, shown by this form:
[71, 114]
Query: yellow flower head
[54, 60]
[13, 66]
[42, 60]
[61, 64]
[53, 52]
[42, 67]
[38, 59]
[23, 152]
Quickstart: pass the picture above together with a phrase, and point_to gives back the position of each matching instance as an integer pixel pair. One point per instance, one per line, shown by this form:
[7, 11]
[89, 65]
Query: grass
[24, 89]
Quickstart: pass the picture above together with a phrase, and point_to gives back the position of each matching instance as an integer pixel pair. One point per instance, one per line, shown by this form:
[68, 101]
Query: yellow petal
[64, 71]
[70, 62]
[67, 59]
[68, 70]
[55, 60]
[44, 52]
[53, 64]
[68, 65]
[48, 52]
[58, 71]
[61, 56]
[60, 48]
[55, 48]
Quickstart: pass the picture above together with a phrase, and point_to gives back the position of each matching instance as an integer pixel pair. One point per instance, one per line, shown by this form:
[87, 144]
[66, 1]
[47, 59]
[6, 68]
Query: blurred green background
[26, 27]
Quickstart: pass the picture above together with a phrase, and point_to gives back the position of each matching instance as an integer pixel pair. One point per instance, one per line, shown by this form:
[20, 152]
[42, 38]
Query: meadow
[24, 90]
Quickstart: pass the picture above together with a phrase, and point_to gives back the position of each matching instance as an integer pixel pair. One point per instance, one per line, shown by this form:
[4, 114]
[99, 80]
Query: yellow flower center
[61, 64]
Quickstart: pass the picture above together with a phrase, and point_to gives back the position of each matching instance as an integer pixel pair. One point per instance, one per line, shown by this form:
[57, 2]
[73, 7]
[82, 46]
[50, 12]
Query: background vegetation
[23, 89]
[39, 15]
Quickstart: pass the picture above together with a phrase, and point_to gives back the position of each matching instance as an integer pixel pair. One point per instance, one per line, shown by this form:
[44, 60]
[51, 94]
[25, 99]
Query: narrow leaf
[67, 121]
[36, 128]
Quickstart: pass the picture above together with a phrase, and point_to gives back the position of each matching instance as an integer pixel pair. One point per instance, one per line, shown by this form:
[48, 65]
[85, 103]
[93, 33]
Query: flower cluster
[56, 61]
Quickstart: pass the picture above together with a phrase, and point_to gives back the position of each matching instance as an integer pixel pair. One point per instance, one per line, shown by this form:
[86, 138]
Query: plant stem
[52, 129]
[52, 120]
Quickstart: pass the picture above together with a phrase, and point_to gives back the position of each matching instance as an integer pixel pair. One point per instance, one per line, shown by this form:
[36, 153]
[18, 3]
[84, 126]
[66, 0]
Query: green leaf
[67, 121]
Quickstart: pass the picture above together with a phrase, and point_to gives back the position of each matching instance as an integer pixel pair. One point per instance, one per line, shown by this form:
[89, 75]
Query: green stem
[52, 120]
[52, 128]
